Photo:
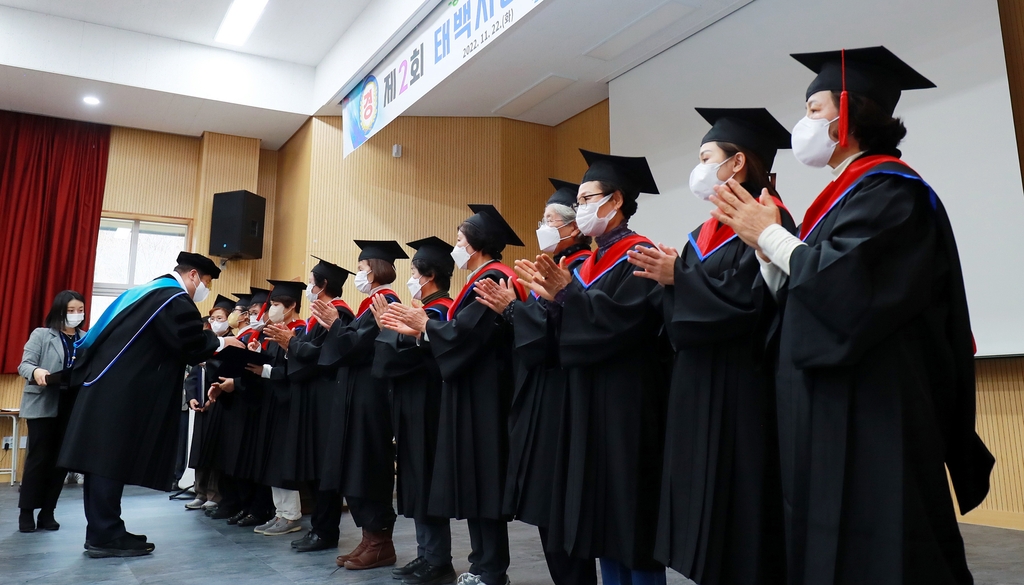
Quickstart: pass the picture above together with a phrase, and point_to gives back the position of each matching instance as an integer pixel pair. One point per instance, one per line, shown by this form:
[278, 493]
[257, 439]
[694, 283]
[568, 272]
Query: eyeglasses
[544, 223]
[586, 199]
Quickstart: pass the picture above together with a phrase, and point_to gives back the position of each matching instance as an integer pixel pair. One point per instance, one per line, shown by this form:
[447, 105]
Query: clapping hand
[325, 312]
[280, 334]
[656, 263]
[738, 209]
[405, 320]
[495, 295]
[378, 307]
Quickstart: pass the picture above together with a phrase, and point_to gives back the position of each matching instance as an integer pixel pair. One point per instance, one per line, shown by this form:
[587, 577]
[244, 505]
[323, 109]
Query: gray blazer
[43, 350]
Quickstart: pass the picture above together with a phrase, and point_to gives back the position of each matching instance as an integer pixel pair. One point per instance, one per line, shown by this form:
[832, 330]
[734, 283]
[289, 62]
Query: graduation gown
[720, 518]
[275, 417]
[124, 425]
[611, 344]
[535, 418]
[415, 387]
[875, 387]
[207, 425]
[313, 389]
[360, 459]
[473, 349]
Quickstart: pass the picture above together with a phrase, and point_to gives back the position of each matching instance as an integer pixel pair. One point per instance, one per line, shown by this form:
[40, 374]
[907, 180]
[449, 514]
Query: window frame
[110, 289]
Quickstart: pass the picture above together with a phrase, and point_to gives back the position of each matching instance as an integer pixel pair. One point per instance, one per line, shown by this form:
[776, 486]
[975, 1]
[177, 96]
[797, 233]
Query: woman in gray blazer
[46, 404]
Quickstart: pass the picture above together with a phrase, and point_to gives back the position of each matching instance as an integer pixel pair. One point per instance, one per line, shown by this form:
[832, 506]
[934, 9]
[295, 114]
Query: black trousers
[489, 558]
[372, 515]
[434, 540]
[102, 499]
[566, 570]
[242, 494]
[326, 519]
[43, 480]
[179, 467]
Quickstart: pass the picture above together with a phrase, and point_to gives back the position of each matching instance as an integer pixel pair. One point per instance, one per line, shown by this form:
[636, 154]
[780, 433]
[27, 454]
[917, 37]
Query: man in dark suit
[129, 375]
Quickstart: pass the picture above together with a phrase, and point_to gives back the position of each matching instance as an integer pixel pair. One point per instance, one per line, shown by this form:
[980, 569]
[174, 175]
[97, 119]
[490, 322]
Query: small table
[12, 413]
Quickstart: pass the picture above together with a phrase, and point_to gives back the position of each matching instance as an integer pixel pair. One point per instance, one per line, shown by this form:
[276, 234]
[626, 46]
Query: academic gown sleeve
[181, 327]
[534, 336]
[397, 355]
[457, 343]
[868, 278]
[350, 344]
[702, 307]
[602, 322]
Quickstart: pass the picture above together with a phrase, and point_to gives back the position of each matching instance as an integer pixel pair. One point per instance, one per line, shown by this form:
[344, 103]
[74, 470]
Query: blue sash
[127, 299]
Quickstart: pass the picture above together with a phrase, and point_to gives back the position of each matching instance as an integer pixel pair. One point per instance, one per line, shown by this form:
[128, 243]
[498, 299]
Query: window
[131, 252]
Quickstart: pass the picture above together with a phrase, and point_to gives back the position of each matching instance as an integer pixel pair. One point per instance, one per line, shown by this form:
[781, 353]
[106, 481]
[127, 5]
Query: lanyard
[69, 351]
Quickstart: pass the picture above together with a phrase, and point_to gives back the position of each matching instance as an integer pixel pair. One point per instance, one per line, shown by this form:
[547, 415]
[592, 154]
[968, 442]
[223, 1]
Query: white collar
[846, 163]
[374, 291]
[180, 280]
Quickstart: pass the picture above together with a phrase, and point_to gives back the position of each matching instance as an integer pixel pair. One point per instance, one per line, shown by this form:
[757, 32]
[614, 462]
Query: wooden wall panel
[527, 161]
[446, 163]
[291, 204]
[151, 173]
[588, 130]
[266, 187]
[1001, 425]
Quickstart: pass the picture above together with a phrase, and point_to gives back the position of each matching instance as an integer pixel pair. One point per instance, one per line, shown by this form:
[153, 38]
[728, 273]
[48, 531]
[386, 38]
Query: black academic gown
[474, 352]
[535, 419]
[275, 425]
[206, 425]
[613, 348]
[240, 452]
[720, 518]
[360, 459]
[415, 383]
[124, 425]
[875, 391]
[313, 390]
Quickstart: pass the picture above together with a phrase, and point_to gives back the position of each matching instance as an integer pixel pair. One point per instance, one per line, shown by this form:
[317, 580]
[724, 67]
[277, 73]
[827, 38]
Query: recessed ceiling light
[239, 21]
[91, 100]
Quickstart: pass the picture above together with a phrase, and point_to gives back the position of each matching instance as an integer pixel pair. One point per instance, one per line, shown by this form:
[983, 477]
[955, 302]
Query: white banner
[450, 35]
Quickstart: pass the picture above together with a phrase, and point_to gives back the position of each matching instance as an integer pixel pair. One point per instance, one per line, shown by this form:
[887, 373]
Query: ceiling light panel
[639, 30]
[239, 21]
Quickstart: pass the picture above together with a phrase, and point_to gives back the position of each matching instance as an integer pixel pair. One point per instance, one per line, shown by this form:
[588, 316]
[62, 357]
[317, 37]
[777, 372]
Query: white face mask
[415, 288]
[363, 282]
[74, 319]
[276, 314]
[253, 319]
[310, 295]
[219, 327]
[588, 221]
[812, 144]
[704, 179]
[201, 292]
[548, 238]
[461, 256]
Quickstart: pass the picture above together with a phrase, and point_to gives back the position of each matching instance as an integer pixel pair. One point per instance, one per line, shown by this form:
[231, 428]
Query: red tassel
[844, 108]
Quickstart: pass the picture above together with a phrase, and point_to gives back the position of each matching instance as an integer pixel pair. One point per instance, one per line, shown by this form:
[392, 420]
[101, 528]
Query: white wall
[961, 135]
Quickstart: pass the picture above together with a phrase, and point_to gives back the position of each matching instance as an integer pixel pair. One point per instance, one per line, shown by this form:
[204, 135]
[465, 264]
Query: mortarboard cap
[629, 173]
[487, 218]
[222, 302]
[201, 263]
[752, 128]
[389, 250]
[287, 288]
[435, 252]
[873, 72]
[565, 193]
[259, 296]
[332, 272]
[244, 300]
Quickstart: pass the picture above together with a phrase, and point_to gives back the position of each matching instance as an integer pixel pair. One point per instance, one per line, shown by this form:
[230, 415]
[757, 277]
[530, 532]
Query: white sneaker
[468, 579]
[80, 478]
[195, 504]
[259, 529]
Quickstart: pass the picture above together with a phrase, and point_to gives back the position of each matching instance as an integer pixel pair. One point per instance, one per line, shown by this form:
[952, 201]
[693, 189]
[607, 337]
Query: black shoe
[123, 546]
[46, 521]
[222, 513]
[303, 540]
[408, 569]
[138, 537]
[431, 575]
[237, 517]
[26, 522]
[251, 520]
[313, 542]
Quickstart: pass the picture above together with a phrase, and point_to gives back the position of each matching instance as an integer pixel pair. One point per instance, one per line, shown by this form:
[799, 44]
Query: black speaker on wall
[236, 227]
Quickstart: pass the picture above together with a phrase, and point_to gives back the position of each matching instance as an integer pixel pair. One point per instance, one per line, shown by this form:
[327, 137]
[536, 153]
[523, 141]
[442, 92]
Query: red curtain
[52, 175]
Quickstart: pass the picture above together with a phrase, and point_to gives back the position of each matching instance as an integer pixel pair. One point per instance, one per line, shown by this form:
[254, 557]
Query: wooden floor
[193, 549]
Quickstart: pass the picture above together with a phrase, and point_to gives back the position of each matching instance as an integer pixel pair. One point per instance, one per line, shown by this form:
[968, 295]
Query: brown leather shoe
[379, 552]
[358, 550]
